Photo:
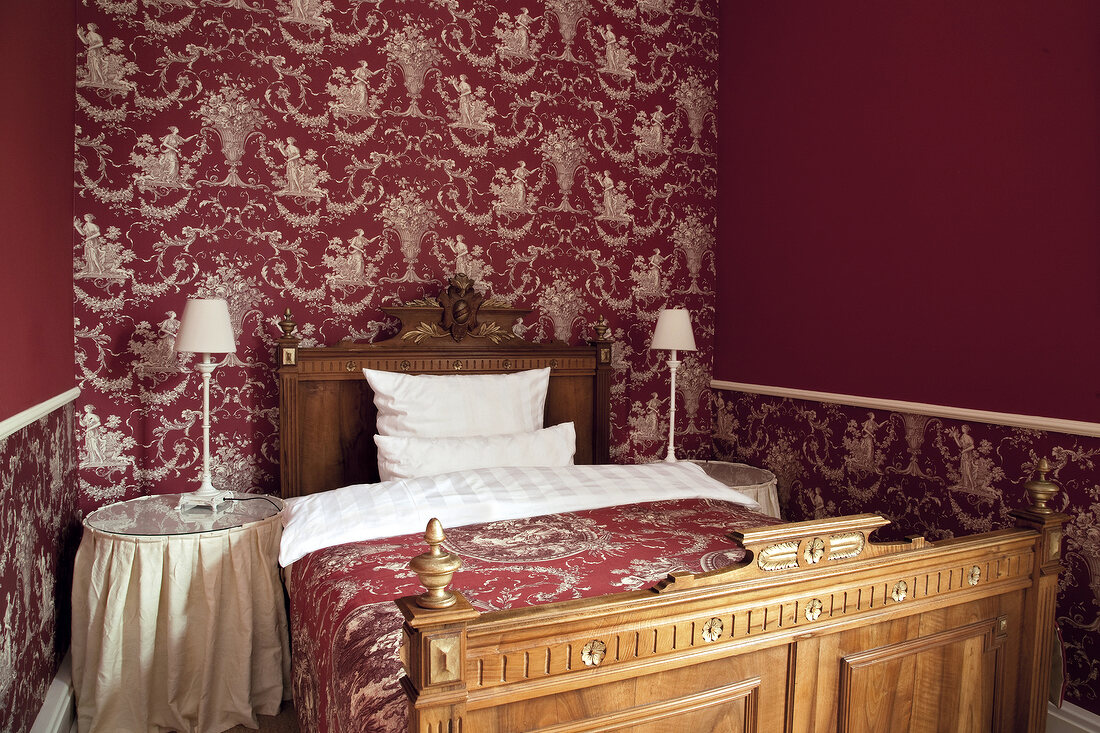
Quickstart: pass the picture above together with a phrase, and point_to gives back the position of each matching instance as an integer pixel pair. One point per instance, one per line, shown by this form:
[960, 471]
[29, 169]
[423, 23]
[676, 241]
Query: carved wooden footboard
[818, 630]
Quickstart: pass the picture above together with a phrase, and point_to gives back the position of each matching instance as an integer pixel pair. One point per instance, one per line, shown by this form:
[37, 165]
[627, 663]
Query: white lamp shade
[673, 331]
[205, 327]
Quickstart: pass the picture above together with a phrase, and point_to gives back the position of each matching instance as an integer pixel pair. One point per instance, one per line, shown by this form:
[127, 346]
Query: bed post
[288, 415]
[434, 648]
[1040, 600]
[601, 426]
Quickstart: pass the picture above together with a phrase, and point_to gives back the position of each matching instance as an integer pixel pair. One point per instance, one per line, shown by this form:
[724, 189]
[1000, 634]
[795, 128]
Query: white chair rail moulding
[1012, 420]
[20, 420]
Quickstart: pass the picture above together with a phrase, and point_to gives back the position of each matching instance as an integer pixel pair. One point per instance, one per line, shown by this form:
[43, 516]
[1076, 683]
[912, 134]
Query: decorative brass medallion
[813, 609]
[974, 575]
[593, 653]
[779, 556]
[815, 549]
[406, 365]
[507, 364]
[901, 588]
[290, 356]
[457, 365]
[712, 630]
[350, 366]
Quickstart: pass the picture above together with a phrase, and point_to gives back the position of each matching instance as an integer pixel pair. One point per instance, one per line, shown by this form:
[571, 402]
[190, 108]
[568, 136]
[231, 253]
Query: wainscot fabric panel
[39, 531]
[931, 476]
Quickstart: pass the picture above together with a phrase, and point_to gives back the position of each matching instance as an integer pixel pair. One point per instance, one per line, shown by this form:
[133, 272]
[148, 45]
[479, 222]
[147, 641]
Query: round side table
[757, 483]
[178, 617]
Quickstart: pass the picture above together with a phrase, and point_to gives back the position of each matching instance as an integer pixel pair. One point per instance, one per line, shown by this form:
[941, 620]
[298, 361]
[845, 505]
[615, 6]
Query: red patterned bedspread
[345, 631]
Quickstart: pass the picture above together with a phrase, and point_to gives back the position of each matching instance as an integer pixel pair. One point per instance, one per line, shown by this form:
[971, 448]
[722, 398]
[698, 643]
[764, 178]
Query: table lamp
[205, 329]
[673, 333]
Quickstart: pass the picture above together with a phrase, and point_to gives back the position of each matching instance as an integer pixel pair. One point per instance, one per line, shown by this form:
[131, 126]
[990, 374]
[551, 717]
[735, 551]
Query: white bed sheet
[400, 507]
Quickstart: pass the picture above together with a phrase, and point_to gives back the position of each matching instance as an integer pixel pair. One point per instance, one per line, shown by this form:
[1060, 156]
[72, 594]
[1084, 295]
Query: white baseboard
[1071, 719]
[58, 713]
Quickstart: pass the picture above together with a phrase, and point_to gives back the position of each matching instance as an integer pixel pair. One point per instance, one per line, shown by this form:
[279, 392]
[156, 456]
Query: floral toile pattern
[39, 525]
[346, 631]
[931, 476]
[332, 156]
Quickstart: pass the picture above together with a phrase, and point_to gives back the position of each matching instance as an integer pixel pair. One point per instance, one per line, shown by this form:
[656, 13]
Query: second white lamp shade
[673, 331]
[205, 327]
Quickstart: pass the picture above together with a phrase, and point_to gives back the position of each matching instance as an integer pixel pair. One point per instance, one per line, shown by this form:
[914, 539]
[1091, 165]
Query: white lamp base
[205, 496]
[673, 364]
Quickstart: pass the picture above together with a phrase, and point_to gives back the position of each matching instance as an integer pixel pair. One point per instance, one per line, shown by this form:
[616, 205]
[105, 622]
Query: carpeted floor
[284, 722]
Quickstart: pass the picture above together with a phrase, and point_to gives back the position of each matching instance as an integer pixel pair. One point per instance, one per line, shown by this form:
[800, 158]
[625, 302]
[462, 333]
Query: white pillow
[411, 457]
[431, 406]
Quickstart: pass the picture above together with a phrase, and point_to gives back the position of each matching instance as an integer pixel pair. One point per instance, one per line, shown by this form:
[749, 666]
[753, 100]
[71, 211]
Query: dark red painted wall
[909, 201]
[37, 52]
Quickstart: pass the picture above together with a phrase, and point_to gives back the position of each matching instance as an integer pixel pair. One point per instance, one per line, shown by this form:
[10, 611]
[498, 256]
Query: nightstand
[178, 617]
[754, 482]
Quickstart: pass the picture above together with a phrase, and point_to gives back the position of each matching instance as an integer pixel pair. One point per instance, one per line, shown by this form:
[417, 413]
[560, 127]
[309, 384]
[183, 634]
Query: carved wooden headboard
[326, 407]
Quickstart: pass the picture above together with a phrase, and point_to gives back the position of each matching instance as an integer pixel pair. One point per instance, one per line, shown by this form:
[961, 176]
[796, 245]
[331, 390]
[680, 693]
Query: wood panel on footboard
[818, 630]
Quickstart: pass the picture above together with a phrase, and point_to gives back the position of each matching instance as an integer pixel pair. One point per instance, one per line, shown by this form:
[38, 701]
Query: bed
[661, 614]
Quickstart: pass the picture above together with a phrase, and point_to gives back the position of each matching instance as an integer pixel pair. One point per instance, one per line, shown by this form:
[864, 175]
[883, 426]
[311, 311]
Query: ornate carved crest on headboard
[457, 313]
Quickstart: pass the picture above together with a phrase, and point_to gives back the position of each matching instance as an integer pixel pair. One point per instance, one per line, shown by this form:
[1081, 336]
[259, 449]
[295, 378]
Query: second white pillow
[410, 457]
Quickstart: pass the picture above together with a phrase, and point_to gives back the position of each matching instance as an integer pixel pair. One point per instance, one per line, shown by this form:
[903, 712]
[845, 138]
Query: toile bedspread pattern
[345, 631]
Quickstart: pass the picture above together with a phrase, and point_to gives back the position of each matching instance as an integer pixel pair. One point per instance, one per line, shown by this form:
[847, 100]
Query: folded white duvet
[404, 506]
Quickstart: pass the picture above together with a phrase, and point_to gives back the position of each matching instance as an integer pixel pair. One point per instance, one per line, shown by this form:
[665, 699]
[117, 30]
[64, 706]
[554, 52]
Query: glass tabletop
[737, 475]
[160, 515]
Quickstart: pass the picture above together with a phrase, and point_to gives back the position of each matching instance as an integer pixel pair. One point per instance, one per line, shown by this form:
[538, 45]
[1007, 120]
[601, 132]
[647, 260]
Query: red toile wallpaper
[333, 155]
[930, 476]
[39, 524]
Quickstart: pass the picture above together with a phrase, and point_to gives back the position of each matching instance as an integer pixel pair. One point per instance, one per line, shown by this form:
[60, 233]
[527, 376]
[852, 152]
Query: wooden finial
[601, 328]
[1039, 490]
[435, 568]
[287, 324]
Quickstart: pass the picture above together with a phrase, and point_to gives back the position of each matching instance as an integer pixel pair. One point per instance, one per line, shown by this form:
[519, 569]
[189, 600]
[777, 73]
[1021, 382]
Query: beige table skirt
[179, 632]
[757, 483]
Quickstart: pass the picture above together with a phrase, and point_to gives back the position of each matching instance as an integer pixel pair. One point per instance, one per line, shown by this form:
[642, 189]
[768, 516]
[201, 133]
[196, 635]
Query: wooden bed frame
[326, 409]
[819, 629]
